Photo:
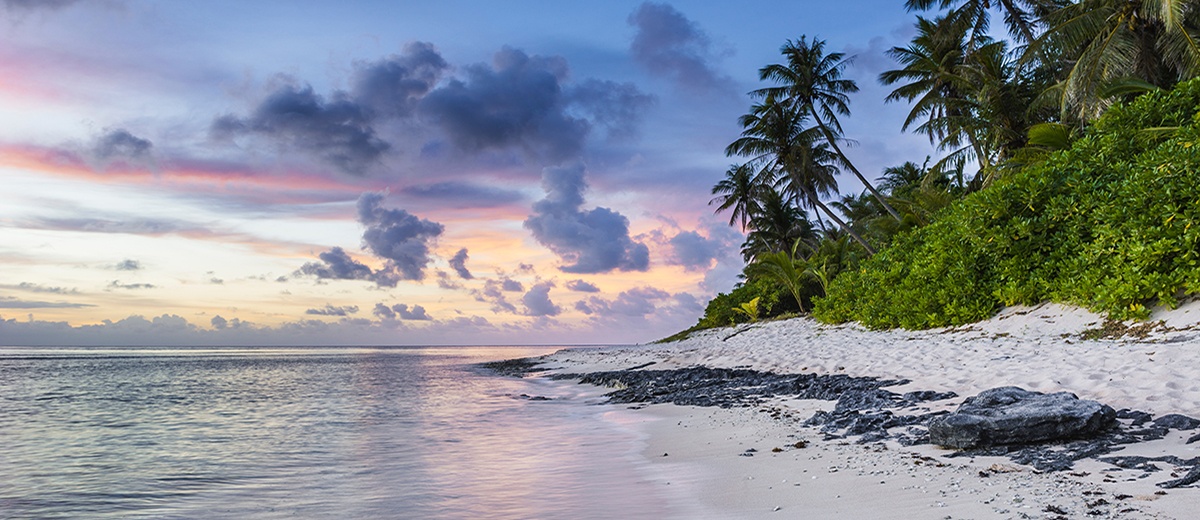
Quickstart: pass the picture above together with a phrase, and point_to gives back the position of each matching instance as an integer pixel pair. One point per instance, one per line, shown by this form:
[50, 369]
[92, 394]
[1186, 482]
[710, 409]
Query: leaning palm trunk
[878, 196]
[812, 198]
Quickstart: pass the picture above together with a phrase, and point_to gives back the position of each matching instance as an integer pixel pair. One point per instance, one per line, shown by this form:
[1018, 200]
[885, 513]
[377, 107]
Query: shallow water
[305, 433]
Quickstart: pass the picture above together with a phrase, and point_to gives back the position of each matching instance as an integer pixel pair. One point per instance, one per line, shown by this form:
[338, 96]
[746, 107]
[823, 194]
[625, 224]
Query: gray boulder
[1011, 415]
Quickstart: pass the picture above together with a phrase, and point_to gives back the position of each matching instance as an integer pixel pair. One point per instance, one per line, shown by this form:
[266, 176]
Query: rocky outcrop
[1013, 416]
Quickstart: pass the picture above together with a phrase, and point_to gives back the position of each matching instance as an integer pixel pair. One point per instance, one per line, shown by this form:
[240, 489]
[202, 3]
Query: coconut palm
[738, 193]
[778, 227]
[811, 81]
[774, 138]
[933, 77]
[1019, 15]
[1112, 41]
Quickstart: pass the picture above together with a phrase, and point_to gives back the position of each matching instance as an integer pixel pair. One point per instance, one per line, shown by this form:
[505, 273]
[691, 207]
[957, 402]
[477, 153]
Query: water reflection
[265, 433]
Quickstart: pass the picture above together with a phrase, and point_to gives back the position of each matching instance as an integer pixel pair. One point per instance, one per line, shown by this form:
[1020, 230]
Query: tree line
[991, 107]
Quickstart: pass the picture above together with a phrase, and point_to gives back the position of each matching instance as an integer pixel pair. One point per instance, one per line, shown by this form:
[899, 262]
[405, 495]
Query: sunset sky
[453, 172]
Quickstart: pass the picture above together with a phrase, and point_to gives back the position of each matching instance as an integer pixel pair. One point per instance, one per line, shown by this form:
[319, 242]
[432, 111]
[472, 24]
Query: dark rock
[1011, 415]
[514, 367]
[1139, 418]
[1176, 421]
[922, 396]
[1190, 478]
[1193, 438]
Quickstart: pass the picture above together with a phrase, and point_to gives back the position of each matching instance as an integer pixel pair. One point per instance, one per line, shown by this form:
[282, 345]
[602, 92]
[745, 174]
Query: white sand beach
[700, 454]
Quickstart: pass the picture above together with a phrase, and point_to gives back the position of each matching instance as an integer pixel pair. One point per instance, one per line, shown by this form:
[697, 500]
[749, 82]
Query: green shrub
[1109, 224]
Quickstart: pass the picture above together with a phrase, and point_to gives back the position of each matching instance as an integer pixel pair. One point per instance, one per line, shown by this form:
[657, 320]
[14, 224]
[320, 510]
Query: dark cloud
[128, 265]
[444, 281]
[330, 310]
[393, 86]
[636, 302]
[462, 195]
[582, 286]
[30, 5]
[516, 102]
[694, 251]
[13, 303]
[116, 284]
[416, 313]
[669, 44]
[336, 264]
[593, 241]
[537, 301]
[119, 143]
[618, 107]
[218, 322]
[459, 263]
[397, 236]
[401, 311]
[39, 288]
[493, 293]
[100, 225]
[339, 130]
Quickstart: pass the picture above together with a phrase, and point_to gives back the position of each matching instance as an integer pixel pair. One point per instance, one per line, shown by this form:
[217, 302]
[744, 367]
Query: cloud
[116, 284]
[537, 301]
[668, 44]
[402, 311]
[39, 288]
[120, 144]
[394, 85]
[618, 107]
[511, 285]
[128, 265]
[336, 264]
[459, 263]
[636, 302]
[582, 286]
[30, 5]
[493, 292]
[339, 131]
[516, 102]
[397, 236]
[593, 241]
[330, 310]
[444, 281]
[13, 303]
[463, 195]
[695, 252]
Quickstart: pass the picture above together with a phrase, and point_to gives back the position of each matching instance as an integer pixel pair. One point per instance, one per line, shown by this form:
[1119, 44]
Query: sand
[699, 456]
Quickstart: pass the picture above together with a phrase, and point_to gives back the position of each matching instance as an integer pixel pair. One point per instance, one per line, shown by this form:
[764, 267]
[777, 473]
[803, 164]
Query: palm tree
[812, 82]
[738, 192]
[1019, 15]
[1110, 41]
[969, 101]
[934, 79]
[777, 227]
[774, 137]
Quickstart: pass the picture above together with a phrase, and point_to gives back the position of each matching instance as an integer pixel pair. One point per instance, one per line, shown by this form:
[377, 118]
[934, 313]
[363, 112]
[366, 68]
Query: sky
[391, 173]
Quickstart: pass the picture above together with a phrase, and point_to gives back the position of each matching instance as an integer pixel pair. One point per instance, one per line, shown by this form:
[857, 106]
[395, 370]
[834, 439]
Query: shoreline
[704, 450]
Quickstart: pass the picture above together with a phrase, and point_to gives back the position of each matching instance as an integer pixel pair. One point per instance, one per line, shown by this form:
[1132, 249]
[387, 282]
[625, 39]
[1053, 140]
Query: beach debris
[1014, 416]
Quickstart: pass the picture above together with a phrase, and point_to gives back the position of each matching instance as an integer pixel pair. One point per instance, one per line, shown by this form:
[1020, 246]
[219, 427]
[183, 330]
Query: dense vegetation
[1067, 170]
[1112, 224]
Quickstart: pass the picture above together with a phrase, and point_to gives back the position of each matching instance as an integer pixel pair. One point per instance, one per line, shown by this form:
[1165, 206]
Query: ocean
[399, 432]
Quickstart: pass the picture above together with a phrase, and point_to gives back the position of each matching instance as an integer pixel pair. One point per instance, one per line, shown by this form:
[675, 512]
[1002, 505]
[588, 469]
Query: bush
[1109, 224]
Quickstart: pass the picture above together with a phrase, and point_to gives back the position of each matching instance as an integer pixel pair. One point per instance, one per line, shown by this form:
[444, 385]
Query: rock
[1176, 421]
[1013, 416]
[1190, 478]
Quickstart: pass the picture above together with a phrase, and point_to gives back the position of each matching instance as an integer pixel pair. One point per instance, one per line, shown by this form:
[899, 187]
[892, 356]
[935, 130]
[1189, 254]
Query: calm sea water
[305, 433]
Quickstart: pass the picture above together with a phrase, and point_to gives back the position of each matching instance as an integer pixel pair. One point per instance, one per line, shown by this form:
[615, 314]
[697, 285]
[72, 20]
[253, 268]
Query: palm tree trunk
[833, 141]
[812, 198]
